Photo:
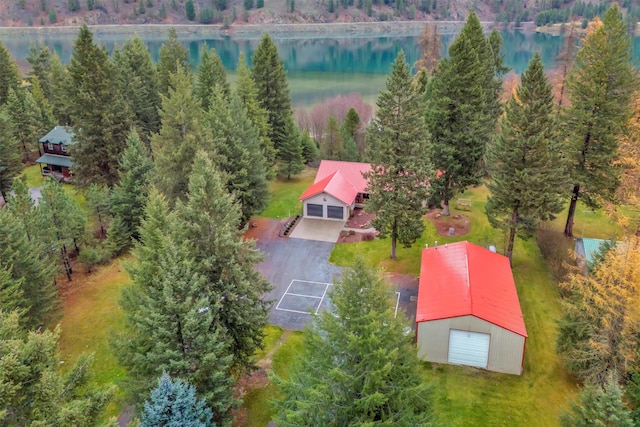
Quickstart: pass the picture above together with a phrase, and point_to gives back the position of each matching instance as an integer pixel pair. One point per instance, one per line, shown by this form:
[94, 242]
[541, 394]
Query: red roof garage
[468, 310]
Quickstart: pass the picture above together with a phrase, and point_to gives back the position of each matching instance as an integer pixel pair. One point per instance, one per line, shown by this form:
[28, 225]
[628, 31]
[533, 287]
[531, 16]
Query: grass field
[284, 195]
[91, 315]
[34, 178]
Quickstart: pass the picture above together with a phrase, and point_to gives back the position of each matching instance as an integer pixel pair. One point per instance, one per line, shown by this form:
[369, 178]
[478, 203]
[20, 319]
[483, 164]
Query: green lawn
[34, 178]
[91, 314]
[285, 193]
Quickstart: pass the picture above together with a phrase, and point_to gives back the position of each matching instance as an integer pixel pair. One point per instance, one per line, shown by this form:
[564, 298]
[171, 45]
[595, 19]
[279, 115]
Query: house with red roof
[468, 312]
[338, 188]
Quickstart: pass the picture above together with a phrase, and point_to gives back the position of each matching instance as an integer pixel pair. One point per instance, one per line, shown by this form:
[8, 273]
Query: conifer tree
[431, 49]
[10, 158]
[22, 206]
[357, 367]
[181, 134]
[600, 317]
[598, 406]
[9, 74]
[175, 403]
[129, 195]
[237, 143]
[600, 88]
[66, 223]
[273, 90]
[135, 69]
[291, 160]
[98, 111]
[44, 111]
[248, 93]
[34, 392]
[24, 116]
[27, 273]
[211, 219]
[332, 143]
[527, 178]
[462, 109]
[59, 95]
[210, 75]
[396, 142]
[172, 56]
[97, 206]
[39, 58]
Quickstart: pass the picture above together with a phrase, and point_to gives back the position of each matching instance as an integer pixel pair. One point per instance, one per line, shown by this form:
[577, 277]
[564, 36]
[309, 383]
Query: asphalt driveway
[300, 272]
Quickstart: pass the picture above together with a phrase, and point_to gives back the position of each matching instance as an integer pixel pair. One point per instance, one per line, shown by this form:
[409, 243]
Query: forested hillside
[39, 13]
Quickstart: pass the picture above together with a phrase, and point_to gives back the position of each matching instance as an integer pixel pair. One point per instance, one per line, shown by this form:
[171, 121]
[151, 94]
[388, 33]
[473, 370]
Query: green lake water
[321, 67]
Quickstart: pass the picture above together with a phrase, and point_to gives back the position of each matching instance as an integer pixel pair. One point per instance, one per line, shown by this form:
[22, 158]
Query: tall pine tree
[10, 158]
[98, 111]
[273, 89]
[396, 143]
[290, 153]
[600, 88]
[181, 134]
[171, 316]
[527, 177]
[461, 114]
[238, 145]
[248, 93]
[9, 74]
[172, 56]
[135, 69]
[358, 366]
[211, 77]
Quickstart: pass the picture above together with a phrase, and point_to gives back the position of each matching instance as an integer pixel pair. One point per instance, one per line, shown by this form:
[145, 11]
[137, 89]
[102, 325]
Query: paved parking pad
[305, 297]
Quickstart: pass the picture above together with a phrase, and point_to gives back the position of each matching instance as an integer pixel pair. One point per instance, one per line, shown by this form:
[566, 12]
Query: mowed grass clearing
[91, 314]
[285, 193]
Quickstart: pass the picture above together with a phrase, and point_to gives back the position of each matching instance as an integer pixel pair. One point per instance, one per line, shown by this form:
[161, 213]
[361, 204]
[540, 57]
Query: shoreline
[251, 30]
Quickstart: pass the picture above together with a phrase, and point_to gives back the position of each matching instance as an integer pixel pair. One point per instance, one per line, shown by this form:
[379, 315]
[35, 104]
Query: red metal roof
[342, 180]
[335, 185]
[352, 171]
[462, 279]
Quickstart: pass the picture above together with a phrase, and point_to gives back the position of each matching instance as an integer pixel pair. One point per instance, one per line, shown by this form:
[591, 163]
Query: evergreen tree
[39, 57]
[190, 10]
[273, 90]
[351, 123]
[600, 87]
[310, 151]
[431, 49]
[598, 406]
[10, 158]
[136, 70]
[358, 367]
[175, 403]
[248, 93]
[66, 223]
[172, 56]
[290, 153]
[396, 141]
[59, 97]
[9, 74]
[98, 111]
[43, 110]
[34, 392]
[24, 118]
[238, 145]
[181, 134]
[97, 206]
[527, 177]
[462, 109]
[210, 75]
[28, 277]
[332, 145]
[211, 219]
[130, 194]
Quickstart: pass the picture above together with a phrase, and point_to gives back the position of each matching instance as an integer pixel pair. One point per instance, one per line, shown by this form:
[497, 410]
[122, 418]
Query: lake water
[322, 67]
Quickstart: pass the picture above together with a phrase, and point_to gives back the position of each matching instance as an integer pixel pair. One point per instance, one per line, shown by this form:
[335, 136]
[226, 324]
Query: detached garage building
[339, 187]
[468, 311]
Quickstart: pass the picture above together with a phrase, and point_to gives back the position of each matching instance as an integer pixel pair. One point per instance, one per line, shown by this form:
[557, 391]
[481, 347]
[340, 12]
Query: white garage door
[469, 348]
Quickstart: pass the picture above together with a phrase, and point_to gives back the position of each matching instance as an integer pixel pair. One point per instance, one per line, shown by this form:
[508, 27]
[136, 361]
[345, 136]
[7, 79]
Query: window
[49, 146]
[63, 148]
